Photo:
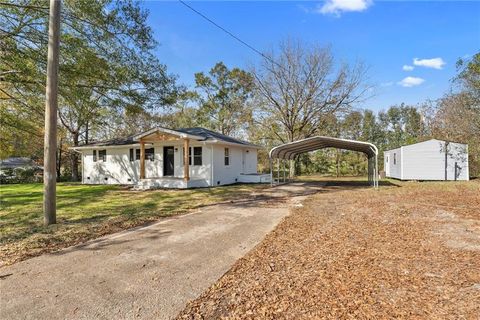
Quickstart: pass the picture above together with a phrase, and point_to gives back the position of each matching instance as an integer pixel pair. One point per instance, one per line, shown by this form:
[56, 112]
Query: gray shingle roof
[197, 131]
[16, 162]
[209, 134]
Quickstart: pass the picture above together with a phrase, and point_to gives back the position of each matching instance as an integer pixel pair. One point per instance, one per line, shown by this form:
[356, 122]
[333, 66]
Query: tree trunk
[86, 133]
[59, 158]
[50, 143]
[74, 157]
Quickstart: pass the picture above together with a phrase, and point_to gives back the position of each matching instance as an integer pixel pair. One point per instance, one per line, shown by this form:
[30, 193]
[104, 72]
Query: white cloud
[336, 7]
[411, 82]
[406, 67]
[435, 63]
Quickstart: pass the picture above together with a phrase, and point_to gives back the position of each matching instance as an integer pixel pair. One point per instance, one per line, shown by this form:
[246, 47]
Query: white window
[150, 154]
[227, 157]
[394, 158]
[102, 155]
[197, 156]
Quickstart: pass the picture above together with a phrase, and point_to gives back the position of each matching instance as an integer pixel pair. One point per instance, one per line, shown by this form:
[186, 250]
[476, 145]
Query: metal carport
[289, 151]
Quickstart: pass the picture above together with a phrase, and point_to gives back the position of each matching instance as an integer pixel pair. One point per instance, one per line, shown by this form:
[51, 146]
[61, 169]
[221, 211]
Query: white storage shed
[428, 160]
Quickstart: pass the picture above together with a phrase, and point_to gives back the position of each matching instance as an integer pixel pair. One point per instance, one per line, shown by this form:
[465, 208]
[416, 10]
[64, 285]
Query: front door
[168, 153]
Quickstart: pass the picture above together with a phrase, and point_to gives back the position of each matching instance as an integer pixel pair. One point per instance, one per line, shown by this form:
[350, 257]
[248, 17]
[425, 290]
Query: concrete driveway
[144, 273]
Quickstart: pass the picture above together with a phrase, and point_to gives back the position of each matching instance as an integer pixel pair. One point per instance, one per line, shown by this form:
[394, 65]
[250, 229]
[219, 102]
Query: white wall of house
[426, 161]
[242, 160]
[118, 169]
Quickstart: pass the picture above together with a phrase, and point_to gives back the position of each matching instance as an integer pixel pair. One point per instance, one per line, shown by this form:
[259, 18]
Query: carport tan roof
[292, 149]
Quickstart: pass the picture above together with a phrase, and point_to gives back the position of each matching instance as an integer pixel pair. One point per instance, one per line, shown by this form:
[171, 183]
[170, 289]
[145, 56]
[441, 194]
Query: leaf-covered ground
[411, 251]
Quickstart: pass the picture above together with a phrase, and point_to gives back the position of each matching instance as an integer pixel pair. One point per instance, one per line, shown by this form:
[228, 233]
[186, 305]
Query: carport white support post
[370, 170]
[376, 169]
[284, 172]
[278, 170]
[271, 172]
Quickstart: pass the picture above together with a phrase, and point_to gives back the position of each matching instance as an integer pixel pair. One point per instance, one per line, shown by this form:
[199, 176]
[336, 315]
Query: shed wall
[426, 161]
[393, 168]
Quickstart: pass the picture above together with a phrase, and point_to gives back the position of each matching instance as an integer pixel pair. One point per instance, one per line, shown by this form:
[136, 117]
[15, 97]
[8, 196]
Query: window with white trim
[197, 156]
[150, 154]
[102, 155]
[227, 156]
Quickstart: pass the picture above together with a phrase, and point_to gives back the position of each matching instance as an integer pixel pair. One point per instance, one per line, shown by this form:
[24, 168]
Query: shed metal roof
[292, 149]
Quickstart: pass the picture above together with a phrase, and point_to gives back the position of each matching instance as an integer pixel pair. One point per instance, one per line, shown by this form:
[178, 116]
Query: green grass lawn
[86, 211]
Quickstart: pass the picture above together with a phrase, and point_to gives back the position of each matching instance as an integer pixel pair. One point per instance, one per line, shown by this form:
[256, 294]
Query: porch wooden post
[142, 159]
[186, 169]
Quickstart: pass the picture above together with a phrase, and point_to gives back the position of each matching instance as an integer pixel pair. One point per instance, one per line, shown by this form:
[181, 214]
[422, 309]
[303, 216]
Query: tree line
[112, 85]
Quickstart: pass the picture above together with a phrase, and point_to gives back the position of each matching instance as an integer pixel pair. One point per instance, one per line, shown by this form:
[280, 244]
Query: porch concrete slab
[144, 273]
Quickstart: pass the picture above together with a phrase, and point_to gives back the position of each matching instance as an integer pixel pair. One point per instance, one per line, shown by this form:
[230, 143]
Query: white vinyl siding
[426, 161]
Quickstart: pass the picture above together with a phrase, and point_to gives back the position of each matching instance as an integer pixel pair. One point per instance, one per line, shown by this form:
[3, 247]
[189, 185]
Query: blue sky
[386, 36]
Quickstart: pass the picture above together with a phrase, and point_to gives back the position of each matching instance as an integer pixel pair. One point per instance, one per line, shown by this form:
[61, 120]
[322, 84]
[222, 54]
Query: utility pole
[50, 144]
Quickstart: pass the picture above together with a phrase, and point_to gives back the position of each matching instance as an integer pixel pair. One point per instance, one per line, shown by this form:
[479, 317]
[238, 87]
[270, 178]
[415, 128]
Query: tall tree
[107, 62]
[299, 86]
[224, 98]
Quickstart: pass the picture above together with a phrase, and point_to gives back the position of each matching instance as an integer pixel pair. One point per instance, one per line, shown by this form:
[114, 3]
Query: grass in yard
[86, 211]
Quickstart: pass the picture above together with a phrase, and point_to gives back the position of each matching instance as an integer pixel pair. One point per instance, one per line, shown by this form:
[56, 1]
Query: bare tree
[299, 86]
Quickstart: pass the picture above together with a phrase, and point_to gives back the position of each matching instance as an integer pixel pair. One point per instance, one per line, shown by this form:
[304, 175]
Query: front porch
[170, 178]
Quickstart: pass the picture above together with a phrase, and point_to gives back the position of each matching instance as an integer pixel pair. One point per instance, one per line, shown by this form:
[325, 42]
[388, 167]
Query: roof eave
[179, 134]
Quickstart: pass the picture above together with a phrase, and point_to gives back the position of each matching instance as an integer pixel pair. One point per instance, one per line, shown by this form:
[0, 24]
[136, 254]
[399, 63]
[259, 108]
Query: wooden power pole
[50, 144]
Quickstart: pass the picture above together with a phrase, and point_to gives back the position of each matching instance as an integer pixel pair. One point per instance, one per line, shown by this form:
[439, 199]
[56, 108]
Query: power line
[230, 34]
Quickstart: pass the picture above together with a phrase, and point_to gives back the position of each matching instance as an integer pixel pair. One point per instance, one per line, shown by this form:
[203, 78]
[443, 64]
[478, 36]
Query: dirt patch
[409, 252]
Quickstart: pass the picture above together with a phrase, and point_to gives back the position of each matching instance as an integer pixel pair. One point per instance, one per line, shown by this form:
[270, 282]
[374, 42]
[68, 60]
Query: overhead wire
[231, 34]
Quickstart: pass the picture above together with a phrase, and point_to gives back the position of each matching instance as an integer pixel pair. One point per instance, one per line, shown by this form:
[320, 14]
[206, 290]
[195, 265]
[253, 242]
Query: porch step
[159, 183]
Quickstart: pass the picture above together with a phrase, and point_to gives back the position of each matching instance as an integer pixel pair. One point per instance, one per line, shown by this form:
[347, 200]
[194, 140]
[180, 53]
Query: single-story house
[157, 158]
[428, 160]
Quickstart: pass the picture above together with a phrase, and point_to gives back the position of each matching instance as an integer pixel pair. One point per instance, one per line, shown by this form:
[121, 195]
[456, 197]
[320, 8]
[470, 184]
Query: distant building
[17, 162]
[428, 160]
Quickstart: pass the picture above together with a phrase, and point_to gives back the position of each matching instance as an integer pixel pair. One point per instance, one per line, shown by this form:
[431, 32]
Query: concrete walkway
[144, 273]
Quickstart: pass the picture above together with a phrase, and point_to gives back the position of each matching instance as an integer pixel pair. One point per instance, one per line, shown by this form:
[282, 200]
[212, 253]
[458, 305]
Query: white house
[428, 160]
[157, 158]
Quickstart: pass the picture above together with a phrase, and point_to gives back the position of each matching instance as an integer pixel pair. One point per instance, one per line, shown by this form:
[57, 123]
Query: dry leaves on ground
[408, 252]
